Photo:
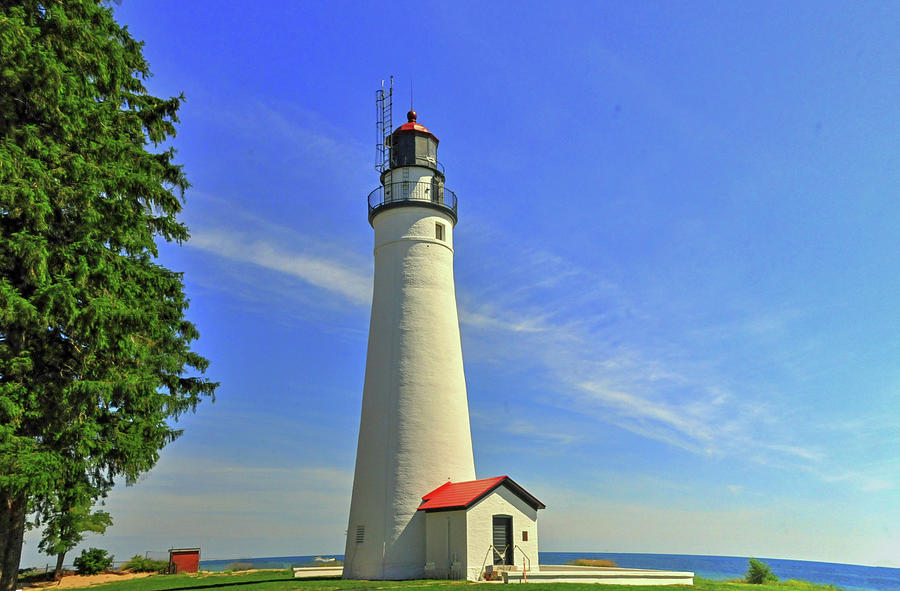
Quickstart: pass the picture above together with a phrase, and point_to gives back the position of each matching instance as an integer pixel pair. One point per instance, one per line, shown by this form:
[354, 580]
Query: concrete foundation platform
[556, 574]
[599, 574]
[318, 571]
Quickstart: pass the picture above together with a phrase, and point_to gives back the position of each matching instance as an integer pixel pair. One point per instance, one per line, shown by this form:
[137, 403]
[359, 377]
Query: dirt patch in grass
[75, 581]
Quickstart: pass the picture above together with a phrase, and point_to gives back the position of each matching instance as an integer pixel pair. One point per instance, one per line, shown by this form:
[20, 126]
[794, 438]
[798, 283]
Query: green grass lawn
[284, 581]
[263, 580]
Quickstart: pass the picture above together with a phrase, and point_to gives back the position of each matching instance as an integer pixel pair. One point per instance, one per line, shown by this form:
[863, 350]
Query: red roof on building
[462, 495]
[412, 125]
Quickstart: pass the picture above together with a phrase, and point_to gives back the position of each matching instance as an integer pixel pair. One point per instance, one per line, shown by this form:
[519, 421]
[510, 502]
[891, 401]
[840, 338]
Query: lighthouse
[414, 431]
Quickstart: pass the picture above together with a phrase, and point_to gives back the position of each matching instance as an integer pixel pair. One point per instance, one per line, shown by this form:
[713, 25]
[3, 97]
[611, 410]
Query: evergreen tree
[95, 358]
[759, 573]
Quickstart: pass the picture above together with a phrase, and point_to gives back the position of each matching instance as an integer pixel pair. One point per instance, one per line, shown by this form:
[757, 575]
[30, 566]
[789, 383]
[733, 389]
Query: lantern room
[412, 144]
[410, 172]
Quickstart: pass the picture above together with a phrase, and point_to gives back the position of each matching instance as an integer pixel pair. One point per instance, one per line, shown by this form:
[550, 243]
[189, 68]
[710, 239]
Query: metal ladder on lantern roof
[384, 125]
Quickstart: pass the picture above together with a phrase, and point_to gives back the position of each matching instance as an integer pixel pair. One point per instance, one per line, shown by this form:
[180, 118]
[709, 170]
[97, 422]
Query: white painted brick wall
[479, 520]
[414, 429]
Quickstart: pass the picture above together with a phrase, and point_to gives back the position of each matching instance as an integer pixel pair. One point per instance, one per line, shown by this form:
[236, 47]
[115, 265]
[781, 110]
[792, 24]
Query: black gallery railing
[433, 194]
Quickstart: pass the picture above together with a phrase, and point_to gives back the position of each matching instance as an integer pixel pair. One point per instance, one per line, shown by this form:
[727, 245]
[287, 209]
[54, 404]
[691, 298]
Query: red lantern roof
[462, 495]
[412, 125]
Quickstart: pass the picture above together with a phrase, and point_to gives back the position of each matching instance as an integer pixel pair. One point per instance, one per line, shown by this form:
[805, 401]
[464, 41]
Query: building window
[439, 230]
[524, 536]
[360, 534]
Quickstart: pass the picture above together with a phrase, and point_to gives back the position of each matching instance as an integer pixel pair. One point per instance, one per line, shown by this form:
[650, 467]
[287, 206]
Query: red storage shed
[184, 560]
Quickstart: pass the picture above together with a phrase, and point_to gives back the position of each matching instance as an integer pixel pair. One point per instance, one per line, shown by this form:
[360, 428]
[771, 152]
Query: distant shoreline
[579, 554]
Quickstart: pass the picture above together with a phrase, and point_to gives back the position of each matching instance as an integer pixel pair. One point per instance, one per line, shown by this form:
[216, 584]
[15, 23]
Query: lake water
[846, 576]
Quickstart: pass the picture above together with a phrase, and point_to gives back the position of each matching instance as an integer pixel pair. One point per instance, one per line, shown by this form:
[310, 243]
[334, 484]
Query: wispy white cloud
[543, 432]
[328, 267]
[585, 366]
[321, 272]
[602, 357]
[656, 392]
[876, 484]
[859, 480]
[302, 136]
[633, 406]
[486, 321]
[798, 451]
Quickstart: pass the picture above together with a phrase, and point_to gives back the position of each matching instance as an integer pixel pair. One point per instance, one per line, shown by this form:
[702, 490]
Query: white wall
[445, 544]
[479, 527]
[414, 429]
[413, 174]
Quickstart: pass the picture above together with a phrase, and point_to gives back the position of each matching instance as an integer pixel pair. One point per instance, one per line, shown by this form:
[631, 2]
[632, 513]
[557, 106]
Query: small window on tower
[439, 230]
[524, 536]
[360, 534]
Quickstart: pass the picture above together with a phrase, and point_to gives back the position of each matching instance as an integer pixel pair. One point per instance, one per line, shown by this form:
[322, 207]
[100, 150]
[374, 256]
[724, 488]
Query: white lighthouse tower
[414, 430]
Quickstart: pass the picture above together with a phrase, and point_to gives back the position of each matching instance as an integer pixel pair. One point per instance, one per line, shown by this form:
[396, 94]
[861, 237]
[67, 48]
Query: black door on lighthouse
[503, 542]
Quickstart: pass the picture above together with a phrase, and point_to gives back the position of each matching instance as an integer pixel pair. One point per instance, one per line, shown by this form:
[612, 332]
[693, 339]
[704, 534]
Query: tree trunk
[12, 533]
[57, 575]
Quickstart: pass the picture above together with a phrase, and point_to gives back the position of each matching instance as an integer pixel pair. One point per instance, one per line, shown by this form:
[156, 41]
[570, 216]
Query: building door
[503, 542]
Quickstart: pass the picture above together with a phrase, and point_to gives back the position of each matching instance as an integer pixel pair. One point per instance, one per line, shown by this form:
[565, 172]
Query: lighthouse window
[360, 534]
[439, 231]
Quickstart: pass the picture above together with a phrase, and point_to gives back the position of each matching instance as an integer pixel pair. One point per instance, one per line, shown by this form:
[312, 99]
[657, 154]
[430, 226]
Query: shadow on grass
[244, 583]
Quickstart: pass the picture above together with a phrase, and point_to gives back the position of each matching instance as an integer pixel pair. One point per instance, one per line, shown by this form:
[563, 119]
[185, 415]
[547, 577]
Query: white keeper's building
[472, 525]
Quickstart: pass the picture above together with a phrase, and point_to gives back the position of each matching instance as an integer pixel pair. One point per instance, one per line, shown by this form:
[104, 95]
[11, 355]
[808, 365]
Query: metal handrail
[502, 556]
[525, 568]
[433, 194]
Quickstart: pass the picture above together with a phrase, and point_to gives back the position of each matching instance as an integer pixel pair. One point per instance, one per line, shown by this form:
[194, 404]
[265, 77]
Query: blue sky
[677, 266]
